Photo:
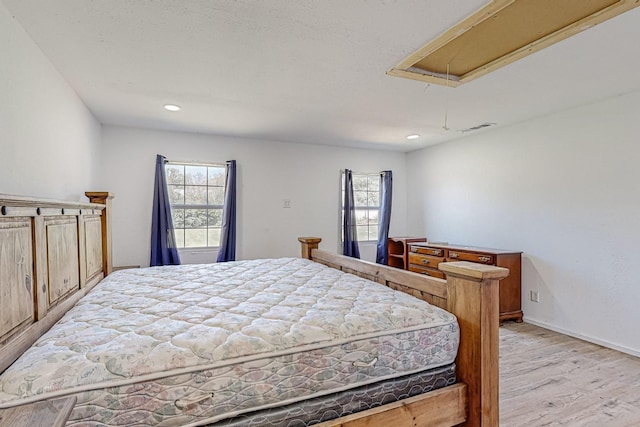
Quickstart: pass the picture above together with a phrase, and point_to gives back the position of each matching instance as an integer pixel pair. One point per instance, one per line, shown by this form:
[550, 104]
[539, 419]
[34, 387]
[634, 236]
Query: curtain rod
[363, 173]
[193, 163]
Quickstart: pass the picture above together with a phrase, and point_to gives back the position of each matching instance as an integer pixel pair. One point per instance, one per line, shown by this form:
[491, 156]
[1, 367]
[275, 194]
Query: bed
[256, 342]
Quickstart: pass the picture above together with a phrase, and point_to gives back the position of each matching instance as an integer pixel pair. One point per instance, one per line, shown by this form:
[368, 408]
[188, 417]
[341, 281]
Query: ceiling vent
[480, 126]
[502, 32]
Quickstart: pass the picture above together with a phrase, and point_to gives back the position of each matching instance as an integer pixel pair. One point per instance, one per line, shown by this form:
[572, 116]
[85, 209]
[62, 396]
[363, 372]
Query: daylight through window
[196, 194]
[366, 192]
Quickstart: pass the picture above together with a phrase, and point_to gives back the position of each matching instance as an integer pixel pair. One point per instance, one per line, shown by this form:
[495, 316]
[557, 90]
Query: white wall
[565, 189]
[268, 172]
[49, 140]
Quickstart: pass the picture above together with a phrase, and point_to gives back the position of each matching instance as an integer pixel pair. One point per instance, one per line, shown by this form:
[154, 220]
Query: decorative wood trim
[41, 276]
[82, 250]
[28, 206]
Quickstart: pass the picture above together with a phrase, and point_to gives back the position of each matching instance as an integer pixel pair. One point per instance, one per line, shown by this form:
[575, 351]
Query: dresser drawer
[425, 260]
[427, 251]
[473, 257]
[426, 271]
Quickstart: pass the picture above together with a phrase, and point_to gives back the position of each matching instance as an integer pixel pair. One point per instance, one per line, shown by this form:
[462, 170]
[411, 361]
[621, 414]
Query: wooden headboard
[51, 254]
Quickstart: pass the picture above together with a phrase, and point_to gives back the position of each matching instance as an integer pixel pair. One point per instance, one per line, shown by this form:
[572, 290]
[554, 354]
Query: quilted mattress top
[148, 323]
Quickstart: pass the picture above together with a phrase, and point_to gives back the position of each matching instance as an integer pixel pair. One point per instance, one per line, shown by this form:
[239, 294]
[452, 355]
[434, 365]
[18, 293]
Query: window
[196, 194]
[366, 193]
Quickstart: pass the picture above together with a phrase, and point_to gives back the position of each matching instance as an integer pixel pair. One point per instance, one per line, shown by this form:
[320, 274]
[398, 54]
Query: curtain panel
[386, 186]
[350, 241]
[228, 233]
[164, 250]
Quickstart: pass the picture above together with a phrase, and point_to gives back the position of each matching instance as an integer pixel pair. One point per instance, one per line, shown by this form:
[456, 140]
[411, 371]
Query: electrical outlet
[533, 296]
[286, 203]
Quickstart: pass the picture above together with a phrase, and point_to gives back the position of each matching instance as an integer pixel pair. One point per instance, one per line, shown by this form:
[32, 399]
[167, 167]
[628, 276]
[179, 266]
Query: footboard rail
[471, 293]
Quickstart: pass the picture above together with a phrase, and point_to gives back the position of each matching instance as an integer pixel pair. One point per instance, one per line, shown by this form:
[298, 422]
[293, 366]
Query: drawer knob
[435, 252]
[484, 258]
[453, 255]
[424, 261]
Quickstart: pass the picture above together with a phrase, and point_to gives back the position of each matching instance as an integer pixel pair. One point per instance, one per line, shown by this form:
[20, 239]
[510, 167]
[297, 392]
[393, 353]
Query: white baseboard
[583, 337]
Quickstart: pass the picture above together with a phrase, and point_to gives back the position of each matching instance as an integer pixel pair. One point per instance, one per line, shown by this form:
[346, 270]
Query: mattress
[336, 405]
[195, 344]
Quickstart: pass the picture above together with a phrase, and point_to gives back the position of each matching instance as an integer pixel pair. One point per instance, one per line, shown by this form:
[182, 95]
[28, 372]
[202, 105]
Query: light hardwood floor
[550, 379]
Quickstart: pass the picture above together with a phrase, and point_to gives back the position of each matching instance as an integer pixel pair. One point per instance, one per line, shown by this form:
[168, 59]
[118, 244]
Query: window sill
[207, 249]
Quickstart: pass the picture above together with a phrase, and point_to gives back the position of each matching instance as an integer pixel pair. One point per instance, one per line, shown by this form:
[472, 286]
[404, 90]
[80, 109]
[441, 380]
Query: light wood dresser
[425, 257]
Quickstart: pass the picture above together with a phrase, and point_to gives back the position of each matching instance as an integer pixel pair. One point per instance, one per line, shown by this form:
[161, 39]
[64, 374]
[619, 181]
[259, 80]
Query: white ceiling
[310, 71]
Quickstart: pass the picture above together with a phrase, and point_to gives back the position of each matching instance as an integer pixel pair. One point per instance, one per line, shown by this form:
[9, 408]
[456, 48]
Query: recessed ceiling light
[172, 107]
[414, 136]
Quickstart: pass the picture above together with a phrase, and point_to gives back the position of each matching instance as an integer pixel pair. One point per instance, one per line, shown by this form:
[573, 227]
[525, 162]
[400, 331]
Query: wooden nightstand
[50, 413]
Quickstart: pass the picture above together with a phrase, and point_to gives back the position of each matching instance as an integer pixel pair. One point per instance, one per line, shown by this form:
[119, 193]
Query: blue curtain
[350, 242]
[228, 236]
[164, 250]
[386, 185]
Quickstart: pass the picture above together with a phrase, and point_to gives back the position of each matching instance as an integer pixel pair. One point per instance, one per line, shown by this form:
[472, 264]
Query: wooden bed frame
[471, 293]
[53, 252]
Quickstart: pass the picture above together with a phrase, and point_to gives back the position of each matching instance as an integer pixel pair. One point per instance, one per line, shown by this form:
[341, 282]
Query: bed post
[308, 244]
[473, 297]
[104, 198]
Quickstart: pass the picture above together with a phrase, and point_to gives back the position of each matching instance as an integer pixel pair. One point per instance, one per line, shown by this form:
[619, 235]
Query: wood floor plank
[549, 379]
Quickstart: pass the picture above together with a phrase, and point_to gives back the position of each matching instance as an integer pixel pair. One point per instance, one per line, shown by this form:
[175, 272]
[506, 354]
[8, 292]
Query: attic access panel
[502, 32]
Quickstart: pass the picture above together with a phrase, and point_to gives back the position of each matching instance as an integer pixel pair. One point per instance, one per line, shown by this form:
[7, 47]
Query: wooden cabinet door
[16, 275]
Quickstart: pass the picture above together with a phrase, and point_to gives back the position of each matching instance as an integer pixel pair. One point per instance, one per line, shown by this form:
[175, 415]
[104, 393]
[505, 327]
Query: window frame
[181, 243]
[368, 207]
